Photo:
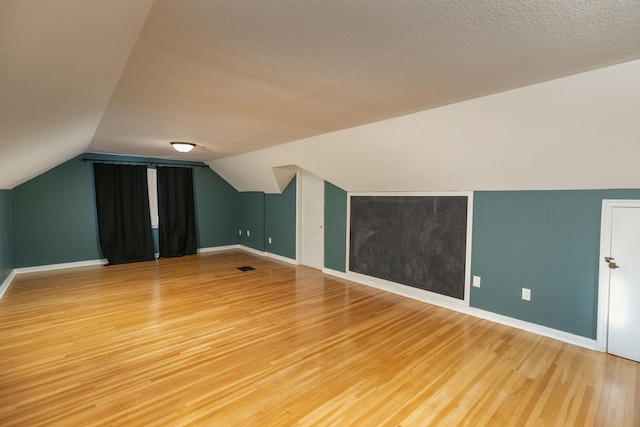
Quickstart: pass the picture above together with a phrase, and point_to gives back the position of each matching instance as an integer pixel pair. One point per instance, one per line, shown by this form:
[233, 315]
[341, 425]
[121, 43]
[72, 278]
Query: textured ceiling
[234, 77]
[59, 63]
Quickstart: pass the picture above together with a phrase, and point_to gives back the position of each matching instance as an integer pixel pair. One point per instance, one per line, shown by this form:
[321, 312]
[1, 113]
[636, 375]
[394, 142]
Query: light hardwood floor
[195, 341]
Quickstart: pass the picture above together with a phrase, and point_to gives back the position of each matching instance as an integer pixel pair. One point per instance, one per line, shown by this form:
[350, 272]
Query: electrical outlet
[476, 281]
[239, 232]
[526, 294]
[248, 233]
[269, 240]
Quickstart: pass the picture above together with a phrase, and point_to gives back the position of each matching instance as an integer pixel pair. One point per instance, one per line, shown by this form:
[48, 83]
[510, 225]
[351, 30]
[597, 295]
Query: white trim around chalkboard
[406, 290]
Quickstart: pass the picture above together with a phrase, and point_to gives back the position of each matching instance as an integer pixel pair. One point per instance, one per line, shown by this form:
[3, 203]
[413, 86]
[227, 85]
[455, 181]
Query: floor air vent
[246, 268]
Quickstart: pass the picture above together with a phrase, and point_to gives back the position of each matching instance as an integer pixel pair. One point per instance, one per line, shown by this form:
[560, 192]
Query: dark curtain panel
[176, 211]
[122, 202]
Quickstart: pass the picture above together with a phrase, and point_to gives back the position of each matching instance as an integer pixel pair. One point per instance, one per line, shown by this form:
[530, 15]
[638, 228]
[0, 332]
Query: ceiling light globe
[183, 147]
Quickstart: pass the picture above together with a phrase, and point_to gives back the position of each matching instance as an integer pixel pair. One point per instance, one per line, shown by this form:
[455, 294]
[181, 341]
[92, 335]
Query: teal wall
[155, 235]
[335, 227]
[6, 234]
[216, 209]
[280, 222]
[547, 241]
[55, 219]
[251, 218]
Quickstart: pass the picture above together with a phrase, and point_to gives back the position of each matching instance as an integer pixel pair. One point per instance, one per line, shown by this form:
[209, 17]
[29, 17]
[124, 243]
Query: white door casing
[312, 221]
[619, 287]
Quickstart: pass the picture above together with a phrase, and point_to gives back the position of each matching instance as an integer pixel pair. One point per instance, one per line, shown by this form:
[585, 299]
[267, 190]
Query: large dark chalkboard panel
[418, 241]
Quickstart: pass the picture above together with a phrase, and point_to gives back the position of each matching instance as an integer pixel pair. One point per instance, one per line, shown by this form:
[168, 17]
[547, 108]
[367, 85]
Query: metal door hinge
[609, 260]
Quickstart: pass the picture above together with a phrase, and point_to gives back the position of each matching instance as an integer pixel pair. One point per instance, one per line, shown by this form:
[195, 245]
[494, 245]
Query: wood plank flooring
[194, 341]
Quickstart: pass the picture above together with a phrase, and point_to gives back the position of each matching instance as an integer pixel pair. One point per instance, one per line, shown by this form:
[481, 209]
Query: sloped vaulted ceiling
[60, 61]
[127, 77]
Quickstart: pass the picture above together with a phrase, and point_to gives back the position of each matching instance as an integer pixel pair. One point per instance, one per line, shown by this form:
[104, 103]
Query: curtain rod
[143, 163]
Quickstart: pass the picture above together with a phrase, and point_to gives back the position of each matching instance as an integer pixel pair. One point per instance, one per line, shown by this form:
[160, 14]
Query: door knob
[613, 265]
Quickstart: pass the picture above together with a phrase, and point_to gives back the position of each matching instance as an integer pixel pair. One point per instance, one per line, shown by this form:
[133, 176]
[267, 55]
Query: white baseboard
[281, 258]
[335, 273]
[534, 328]
[462, 307]
[217, 248]
[252, 250]
[50, 267]
[7, 282]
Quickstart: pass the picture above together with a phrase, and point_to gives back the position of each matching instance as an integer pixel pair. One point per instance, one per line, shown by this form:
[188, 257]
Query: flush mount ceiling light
[183, 147]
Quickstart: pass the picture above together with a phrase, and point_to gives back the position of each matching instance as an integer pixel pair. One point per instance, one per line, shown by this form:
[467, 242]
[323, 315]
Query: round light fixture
[183, 147]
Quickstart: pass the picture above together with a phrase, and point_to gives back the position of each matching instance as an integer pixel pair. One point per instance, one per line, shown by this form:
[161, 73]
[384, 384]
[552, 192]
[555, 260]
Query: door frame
[299, 216]
[603, 273]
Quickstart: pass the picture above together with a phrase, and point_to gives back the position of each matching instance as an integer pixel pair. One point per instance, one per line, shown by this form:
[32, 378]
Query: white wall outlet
[269, 240]
[526, 294]
[248, 233]
[476, 281]
[239, 232]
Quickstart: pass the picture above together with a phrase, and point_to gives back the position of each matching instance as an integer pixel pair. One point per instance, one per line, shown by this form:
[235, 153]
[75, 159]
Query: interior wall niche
[419, 241]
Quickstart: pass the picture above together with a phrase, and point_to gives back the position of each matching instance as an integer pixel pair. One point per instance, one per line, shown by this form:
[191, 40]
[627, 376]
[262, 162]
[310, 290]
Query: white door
[623, 263]
[312, 217]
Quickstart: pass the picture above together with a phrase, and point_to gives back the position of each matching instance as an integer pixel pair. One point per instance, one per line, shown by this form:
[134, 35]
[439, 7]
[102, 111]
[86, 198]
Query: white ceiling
[577, 132]
[60, 61]
[127, 77]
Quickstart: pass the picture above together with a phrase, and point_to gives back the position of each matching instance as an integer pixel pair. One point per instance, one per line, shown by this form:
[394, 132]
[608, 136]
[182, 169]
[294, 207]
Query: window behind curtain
[152, 182]
[176, 210]
[122, 205]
